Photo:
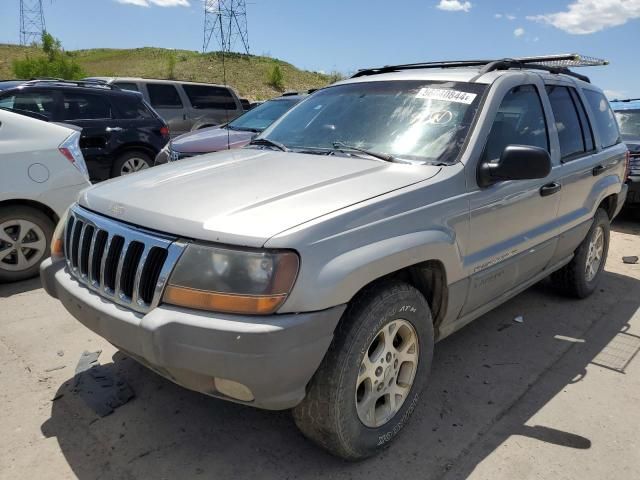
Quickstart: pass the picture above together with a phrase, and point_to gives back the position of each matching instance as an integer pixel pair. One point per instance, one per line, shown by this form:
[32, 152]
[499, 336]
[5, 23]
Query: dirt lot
[553, 397]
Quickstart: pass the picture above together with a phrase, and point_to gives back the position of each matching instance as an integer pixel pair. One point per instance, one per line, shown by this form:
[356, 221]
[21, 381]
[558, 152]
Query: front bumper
[273, 356]
[162, 157]
[633, 195]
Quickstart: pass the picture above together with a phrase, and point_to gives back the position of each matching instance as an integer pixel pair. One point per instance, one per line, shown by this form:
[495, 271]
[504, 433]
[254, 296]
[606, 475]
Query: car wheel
[131, 162]
[580, 277]
[370, 380]
[25, 235]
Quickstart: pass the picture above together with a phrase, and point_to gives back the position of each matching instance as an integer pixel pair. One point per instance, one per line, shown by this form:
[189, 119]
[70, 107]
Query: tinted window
[587, 131]
[519, 121]
[132, 108]
[37, 102]
[605, 121]
[163, 96]
[202, 96]
[81, 106]
[565, 114]
[127, 86]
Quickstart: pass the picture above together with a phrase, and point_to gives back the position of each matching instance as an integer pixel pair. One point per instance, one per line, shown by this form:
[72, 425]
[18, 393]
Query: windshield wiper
[269, 143]
[343, 147]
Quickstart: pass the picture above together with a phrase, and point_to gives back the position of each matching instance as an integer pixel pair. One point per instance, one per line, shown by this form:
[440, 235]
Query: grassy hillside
[246, 73]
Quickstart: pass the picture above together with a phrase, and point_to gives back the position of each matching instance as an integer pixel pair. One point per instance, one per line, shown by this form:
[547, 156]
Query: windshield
[629, 121]
[259, 118]
[414, 120]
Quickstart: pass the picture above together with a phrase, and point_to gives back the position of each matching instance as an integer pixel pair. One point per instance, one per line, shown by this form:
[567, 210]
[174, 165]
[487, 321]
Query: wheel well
[430, 279]
[132, 147]
[33, 204]
[609, 205]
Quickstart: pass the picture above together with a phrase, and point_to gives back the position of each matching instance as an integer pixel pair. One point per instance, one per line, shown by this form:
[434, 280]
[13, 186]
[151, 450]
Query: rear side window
[37, 102]
[163, 96]
[605, 121]
[132, 108]
[574, 132]
[127, 86]
[519, 121]
[205, 97]
[82, 106]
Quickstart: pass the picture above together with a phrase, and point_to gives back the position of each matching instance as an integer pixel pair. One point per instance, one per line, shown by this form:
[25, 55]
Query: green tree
[275, 78]
[54, 63]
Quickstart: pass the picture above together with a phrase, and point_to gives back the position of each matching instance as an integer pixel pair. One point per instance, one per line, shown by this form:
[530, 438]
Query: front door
[511, 235]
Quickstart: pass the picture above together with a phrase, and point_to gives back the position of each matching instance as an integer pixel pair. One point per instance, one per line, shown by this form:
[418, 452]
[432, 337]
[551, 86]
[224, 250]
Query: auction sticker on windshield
[446, 95]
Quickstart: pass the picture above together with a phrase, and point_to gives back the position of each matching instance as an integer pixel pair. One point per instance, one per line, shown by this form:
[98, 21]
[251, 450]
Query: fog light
[233, 389]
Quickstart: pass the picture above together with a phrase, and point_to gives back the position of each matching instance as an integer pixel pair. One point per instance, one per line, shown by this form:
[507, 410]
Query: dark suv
[121, 133]
[628, 115]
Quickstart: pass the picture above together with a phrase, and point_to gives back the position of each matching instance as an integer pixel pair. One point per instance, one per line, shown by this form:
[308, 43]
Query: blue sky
[344, 35]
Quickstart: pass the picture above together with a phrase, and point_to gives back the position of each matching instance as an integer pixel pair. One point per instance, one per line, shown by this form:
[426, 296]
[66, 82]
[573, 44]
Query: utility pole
[31, 21]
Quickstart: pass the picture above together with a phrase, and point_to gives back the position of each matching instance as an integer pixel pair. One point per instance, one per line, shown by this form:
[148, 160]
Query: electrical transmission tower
[227, 21]
[31, 21]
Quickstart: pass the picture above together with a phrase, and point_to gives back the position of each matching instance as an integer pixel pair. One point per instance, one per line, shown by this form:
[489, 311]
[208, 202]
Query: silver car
[42, 172]
[316, 268]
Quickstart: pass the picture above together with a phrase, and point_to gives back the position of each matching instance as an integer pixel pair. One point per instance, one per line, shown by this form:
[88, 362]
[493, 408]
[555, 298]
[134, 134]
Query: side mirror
[517, 162]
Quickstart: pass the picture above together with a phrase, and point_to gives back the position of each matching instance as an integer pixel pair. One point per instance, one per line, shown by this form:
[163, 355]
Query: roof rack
[78, 83]
[626, 100]
[551, 63]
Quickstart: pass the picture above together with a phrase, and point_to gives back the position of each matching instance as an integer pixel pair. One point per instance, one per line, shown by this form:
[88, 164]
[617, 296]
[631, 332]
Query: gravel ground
[555, 396]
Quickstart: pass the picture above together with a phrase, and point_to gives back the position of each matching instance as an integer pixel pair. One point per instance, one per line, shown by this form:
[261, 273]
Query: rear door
[512, 231]
[93, 113]
[211, 105]
[584, 148]
[166, 100]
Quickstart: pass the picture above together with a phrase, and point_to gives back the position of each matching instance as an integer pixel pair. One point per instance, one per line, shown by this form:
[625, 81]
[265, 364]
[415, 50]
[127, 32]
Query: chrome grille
[127, 265]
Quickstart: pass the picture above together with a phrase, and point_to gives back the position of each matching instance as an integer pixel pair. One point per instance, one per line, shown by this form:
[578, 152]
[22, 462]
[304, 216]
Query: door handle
[550, 189]
[113, 129]
[597, 170]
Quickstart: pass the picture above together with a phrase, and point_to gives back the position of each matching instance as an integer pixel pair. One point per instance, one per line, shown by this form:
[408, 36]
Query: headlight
[57, 241]
[234, 281]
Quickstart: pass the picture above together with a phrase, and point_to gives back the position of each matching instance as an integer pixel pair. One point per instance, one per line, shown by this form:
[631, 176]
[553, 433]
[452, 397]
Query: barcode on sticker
[446, 95]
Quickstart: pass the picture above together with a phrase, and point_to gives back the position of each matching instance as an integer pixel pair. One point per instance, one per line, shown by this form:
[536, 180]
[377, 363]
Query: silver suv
[185, 106]
[315, 268]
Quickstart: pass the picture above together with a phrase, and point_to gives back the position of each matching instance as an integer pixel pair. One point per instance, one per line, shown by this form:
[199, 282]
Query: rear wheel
[131, 162]
[370, 381]
[25, 234]
[580, 277]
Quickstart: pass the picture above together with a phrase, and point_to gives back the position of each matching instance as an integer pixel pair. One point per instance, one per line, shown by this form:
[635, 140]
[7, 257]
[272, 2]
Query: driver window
[519, 121]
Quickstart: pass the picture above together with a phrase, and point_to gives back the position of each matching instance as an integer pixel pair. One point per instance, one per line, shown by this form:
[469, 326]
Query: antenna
[227, 20]
[31, 22]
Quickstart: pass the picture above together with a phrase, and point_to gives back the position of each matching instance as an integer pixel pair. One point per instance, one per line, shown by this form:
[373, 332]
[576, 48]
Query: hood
[246, 196]
[210, 139]
[633, 143]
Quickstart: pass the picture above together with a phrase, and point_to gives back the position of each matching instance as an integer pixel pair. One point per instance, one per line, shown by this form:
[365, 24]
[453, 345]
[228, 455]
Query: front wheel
[580, 277]
[370, 381]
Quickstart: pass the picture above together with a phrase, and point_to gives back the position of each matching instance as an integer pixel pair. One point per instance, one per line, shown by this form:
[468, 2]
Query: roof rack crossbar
[626, 100]
[79, 83]
[551, 63]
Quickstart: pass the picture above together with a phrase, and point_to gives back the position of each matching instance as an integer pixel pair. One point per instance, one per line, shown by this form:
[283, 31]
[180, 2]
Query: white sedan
[42, 170]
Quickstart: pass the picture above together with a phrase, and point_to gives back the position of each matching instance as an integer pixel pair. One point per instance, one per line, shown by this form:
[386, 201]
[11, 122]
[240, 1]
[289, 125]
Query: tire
[575, 279]
[329, 414]
[130, 162]
[30, 231]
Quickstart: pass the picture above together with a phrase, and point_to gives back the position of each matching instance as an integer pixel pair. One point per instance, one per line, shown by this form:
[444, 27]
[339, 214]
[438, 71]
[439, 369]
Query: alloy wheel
[594, 254]
[22, 245]
[134, 164]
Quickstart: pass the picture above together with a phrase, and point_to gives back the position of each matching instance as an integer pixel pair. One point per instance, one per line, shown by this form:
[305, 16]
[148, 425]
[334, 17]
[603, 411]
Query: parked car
[628, 115]
[42, 173]
[121, 133]
[235, 134]
[185, 106]
[315, 268]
